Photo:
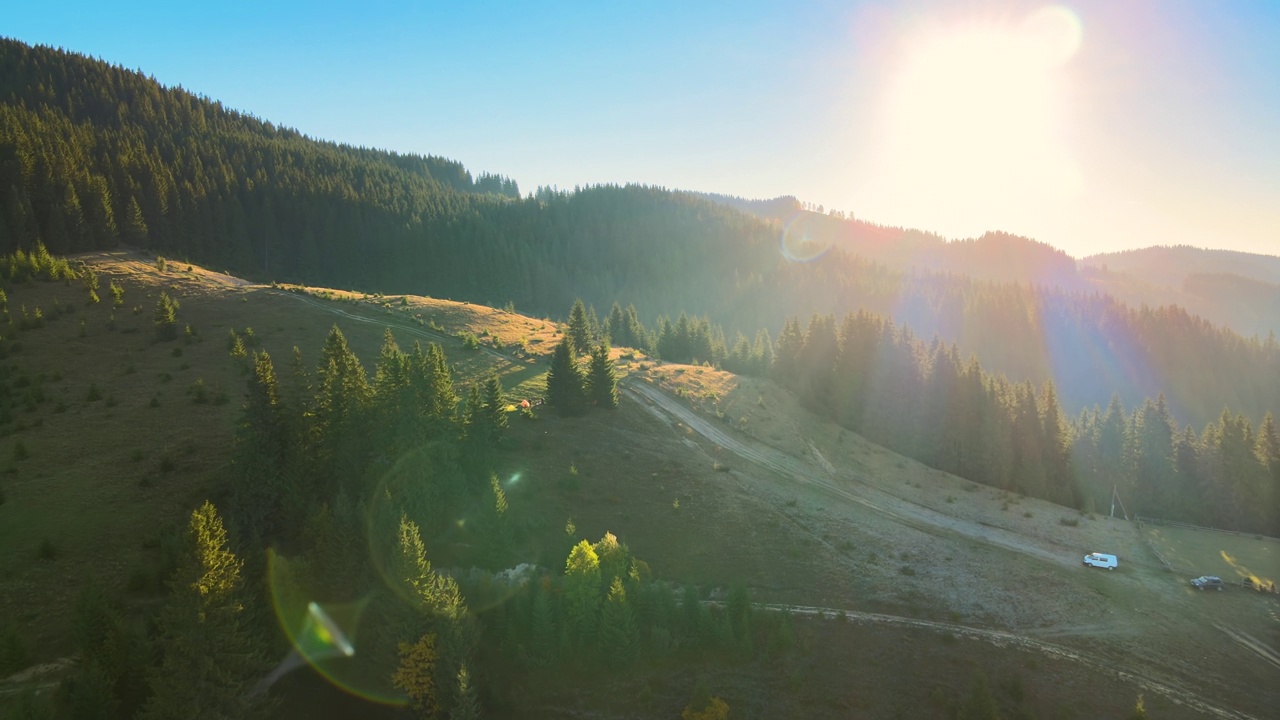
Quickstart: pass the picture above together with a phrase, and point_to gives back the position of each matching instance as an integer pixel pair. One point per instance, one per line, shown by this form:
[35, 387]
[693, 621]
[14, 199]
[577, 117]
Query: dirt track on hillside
[1109, 647]
[919, 517]
[1177, 694]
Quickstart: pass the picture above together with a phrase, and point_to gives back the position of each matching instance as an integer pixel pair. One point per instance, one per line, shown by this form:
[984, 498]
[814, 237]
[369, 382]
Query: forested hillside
[92, 155]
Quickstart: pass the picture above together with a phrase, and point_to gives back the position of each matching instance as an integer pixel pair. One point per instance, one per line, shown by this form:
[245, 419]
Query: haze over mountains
[92, 155]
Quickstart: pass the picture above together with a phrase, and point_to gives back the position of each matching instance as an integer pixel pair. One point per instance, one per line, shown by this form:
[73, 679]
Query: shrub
[20, 451]
[94, 393]
[199, 392]
[1069, 522]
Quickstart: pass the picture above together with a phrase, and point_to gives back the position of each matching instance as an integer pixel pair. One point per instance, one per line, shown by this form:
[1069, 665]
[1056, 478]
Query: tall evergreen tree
[165, 317]
[209, 656]
[619, 638]
[579, 329]
[582, 593]
[565, 386]
[602, 379]
[495, 408]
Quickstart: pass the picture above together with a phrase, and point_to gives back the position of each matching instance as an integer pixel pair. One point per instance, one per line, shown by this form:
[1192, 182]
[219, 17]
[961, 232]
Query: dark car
[1207, 581]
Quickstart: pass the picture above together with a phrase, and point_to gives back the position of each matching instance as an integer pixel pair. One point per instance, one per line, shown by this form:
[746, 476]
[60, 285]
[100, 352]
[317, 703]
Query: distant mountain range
[1236, 289]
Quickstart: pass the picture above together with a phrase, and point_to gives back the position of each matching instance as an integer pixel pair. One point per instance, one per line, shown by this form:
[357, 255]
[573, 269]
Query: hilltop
[93, 156]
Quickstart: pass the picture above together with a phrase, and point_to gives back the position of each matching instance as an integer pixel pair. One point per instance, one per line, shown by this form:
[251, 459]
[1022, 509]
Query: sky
[1095, 126]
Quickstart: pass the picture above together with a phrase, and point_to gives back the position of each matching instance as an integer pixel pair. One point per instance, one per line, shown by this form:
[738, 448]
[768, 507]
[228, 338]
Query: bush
[94, 393]
[1069, 522]
[20, 451]
[199, 392]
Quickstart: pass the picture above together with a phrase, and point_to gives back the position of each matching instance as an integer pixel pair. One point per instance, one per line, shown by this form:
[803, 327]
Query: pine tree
[582, 593]
[433, 383]
[210, 658]
[565, 390]
[579, 329]
[263, 445]
[602, 380]
[467, 704]
[165, 317]
[135, 227]
[498, 534]
[619, 638]
[495, 409]
[786, 354]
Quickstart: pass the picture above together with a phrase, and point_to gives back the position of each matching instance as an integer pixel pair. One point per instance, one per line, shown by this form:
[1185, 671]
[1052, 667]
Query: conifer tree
[579, 329]
[619, 638]
[542, 631]
[467, 704]
[602, 379]
[441, 608]
[416, 674]
[433, 382]
[495, 409]
[582, 593]
[165, 317]
[786, 354]
[210, 658]
[263, 445]
[565, 390]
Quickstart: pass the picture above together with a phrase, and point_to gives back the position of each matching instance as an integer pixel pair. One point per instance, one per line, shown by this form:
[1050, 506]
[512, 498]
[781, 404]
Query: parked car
[1101, 560]
[1207, 581]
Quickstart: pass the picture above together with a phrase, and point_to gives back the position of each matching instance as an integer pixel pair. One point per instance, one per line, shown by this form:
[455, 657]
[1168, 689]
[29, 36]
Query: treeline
[924, 401]
[92, 155]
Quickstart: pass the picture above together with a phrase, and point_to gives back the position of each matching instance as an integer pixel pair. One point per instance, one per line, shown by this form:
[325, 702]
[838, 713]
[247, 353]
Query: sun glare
[971, 134]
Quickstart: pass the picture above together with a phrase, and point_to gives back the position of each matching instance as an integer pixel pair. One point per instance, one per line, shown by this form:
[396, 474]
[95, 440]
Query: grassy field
[116, 447]
[1232, 557]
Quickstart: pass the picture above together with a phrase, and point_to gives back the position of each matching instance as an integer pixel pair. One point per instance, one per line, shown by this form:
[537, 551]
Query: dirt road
[791, 468]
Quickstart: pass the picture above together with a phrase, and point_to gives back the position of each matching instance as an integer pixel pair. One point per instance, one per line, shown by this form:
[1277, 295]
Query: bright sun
[971, 135]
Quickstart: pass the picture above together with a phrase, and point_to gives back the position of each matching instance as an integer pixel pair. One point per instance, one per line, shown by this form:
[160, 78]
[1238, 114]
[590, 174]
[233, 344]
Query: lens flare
[801, 239]
[325, 635]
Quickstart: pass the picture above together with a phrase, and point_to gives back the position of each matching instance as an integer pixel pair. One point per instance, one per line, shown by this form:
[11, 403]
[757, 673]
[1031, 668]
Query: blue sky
[1161, 127]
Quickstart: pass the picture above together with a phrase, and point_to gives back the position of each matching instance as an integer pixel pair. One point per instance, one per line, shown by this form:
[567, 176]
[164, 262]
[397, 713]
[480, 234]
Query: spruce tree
[209, 656]
[495, 409]
[579, 329]
[467, 704]
[582, 593]
[602, 379]
[565, 390]
[619, 638]
[165, 317]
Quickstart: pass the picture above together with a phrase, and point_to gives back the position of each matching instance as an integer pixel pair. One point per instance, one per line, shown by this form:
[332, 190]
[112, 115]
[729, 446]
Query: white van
[1101, 560]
